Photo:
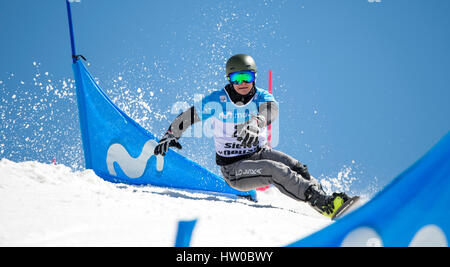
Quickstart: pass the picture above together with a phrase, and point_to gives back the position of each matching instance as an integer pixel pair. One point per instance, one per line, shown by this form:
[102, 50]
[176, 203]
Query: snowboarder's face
[243, 88]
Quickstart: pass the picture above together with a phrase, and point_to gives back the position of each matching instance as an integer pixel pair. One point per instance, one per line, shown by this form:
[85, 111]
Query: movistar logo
[132, 167]
[429, 235]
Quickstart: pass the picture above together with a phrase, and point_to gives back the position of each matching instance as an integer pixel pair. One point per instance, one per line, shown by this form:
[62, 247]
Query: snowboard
[345, 208]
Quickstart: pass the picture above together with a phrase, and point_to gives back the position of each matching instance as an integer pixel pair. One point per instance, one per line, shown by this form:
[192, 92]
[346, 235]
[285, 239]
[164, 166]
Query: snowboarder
[240, 136]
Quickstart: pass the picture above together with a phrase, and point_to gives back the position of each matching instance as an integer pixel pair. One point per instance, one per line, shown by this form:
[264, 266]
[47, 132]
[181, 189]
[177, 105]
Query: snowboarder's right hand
[168, 140]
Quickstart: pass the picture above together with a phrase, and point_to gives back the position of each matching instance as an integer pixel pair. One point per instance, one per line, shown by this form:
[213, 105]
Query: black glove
[248, 131]
[168, 140]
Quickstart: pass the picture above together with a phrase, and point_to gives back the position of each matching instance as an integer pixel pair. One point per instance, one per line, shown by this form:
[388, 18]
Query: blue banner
[119, 150]
[411, 211]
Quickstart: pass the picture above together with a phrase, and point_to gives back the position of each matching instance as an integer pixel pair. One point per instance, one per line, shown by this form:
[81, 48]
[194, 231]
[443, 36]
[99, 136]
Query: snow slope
[51, 205]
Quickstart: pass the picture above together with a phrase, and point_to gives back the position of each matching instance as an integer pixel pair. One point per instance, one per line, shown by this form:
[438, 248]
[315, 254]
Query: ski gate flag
[119, 150]
[411, 211]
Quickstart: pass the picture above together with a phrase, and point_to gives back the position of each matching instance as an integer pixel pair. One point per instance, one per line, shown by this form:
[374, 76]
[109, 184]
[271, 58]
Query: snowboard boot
[323, 203]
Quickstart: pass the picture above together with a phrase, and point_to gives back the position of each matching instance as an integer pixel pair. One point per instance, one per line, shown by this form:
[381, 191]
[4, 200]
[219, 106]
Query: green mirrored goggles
[242, 76]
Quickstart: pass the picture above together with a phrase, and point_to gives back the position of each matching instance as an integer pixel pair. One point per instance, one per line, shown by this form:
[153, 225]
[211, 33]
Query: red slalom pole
[269, 137]
[270, 125]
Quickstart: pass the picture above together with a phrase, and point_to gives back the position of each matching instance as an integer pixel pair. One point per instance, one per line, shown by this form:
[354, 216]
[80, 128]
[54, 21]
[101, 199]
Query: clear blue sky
[360, 84]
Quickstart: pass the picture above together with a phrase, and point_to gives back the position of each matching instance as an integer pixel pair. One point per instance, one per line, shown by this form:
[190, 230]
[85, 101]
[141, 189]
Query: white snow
[51, 205]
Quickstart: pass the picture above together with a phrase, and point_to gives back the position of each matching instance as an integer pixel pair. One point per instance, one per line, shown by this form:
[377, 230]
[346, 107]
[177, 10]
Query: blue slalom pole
[184, 234]
[72, 42]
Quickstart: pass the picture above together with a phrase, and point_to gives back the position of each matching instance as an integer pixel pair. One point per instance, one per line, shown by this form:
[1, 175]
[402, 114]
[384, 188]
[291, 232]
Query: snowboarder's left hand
[249, 130]
[168, 140]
